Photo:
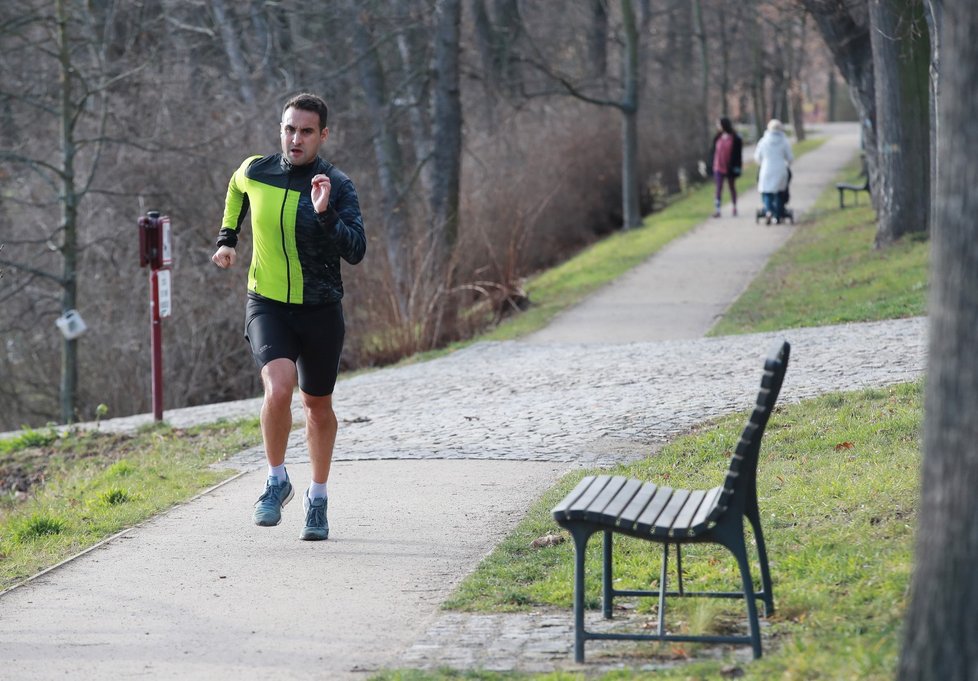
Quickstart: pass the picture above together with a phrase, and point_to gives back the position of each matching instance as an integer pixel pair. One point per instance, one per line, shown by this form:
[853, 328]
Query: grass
[829, 273]
[838, 492]
[64, 493]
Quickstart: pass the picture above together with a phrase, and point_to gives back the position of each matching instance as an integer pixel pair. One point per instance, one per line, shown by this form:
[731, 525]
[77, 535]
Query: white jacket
[774, 155]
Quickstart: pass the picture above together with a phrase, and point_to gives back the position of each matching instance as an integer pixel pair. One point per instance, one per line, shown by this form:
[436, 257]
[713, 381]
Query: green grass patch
[829, 273]
[837, 483]
[62, 494]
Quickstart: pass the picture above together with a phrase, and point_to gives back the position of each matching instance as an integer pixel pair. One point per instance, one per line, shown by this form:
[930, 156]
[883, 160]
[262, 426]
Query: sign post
[156, 252]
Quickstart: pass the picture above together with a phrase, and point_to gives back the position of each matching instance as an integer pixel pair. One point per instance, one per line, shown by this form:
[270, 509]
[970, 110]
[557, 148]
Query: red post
[156, 333]
[154, 251]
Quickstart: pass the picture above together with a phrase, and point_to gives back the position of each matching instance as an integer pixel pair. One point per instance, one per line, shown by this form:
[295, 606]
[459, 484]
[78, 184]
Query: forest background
[488, 139]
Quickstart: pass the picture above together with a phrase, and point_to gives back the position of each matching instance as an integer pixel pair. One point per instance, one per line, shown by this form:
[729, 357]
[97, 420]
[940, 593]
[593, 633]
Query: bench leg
[679, 568]
[842, 201]
[580, 536]
[607, 577]
[755, 521]
[663, 577]
[739, 549]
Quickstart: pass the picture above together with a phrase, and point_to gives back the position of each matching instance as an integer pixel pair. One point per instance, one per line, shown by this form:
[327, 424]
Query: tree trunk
[387, 150]
[69, 219]
[940, 641]
[901, 57]
[845, 29]
[704, 62]
[631, 212]
[796, 67]
[230, 40]
[597, 44]
[447, 157]
[935, 21]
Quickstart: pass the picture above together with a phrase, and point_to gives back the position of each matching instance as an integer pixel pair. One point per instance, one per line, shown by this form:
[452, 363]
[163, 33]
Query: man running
[305, 216]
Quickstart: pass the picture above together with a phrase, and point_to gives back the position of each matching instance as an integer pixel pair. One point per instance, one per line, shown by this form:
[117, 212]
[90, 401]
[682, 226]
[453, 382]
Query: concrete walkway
[435, 463]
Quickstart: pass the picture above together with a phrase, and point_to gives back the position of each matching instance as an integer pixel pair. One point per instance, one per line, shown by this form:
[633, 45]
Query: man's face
[301, 136]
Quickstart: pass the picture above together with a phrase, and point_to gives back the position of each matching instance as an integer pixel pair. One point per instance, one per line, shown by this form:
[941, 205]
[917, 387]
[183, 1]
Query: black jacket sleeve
[342, 219]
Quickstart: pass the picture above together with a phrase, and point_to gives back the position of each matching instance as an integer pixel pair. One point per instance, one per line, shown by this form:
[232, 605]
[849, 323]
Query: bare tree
[940, 640]
[71, 44]
[627, 102]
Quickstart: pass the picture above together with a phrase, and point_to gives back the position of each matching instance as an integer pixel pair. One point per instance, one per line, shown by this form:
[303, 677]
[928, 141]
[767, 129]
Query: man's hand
[320, 193]
[224, 257]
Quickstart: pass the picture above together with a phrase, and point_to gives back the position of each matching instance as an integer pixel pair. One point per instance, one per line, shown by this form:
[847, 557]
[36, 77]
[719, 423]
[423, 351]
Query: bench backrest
[741, 481]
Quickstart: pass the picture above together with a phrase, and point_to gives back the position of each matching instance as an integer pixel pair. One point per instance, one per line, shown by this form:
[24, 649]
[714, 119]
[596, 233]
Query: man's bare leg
[321, 429]
[279, 378]
[320, 438]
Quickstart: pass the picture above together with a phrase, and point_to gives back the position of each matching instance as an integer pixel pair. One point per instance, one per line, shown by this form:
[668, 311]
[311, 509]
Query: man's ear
[324, 135]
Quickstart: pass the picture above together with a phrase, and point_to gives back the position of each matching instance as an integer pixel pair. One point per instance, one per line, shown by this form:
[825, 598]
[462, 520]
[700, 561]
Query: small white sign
[163, 290]
[166, 255]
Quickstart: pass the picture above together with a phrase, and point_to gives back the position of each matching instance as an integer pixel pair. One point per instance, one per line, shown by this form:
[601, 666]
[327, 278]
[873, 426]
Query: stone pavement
[435, 463]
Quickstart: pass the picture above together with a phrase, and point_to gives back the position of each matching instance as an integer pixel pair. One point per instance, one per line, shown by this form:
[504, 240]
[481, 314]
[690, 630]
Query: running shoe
[316, 528]
[268, 508]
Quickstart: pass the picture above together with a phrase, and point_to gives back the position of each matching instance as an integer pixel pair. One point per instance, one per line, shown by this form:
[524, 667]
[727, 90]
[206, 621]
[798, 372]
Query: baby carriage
[786, 212]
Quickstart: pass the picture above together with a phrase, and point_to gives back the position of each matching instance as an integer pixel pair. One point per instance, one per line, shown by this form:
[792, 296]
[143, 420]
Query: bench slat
[646, 521]
[573, 495]
[629, 516]
[596, 508]
[706, 508]
[583, 501]
[684, 519]
[623, 498]
[669, 513]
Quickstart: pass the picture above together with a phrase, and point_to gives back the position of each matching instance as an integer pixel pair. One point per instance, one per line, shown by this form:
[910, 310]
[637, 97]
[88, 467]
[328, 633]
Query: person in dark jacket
[305, 217]
[727, 162]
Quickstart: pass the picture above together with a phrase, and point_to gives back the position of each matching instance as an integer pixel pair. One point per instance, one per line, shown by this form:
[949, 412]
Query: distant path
[681, 291]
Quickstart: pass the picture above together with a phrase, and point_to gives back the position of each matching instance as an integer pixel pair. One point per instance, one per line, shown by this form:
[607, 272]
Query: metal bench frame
[660, 514]
[843, 187]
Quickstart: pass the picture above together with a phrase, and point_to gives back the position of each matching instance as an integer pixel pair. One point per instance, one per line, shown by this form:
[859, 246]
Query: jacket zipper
[285, 252]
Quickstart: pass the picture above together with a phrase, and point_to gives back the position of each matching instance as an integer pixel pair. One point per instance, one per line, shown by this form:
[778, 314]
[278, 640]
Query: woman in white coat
[773, 154]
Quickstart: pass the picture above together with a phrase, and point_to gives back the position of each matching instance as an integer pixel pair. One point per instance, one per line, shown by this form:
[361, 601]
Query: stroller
[787, 213]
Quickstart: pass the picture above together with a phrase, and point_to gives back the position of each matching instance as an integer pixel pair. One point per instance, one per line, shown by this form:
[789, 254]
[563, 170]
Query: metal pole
[156, 329]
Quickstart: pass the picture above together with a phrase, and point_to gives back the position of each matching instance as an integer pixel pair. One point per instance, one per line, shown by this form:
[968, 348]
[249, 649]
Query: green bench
[672, 517]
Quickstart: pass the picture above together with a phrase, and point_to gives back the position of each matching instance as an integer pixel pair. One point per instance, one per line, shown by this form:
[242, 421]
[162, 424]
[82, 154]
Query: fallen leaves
[548, 540]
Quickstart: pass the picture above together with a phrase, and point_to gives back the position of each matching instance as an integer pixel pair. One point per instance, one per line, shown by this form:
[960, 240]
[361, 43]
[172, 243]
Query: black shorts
[309, 335]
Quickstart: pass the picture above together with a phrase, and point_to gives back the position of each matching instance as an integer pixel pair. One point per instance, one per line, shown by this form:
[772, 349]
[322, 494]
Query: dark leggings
[731, 180]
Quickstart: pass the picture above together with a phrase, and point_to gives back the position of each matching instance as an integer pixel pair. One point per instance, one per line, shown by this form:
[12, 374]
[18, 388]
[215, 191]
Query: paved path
[435, 463]
[682, 291]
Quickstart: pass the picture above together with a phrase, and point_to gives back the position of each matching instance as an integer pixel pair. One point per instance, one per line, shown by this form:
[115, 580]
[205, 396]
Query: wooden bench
[615, 504]
[843, 187]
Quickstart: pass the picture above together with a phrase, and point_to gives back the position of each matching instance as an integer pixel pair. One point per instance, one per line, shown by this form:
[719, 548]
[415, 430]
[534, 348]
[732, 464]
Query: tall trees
[67, 91]
[941, 631]
[882, 49]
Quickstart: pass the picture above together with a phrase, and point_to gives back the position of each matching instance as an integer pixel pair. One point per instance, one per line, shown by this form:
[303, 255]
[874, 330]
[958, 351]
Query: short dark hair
[309, 102]
[726, 125]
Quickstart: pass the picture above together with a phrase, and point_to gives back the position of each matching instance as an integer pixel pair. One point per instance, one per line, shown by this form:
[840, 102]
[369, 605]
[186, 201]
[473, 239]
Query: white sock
[317, 490]
[278, 472]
